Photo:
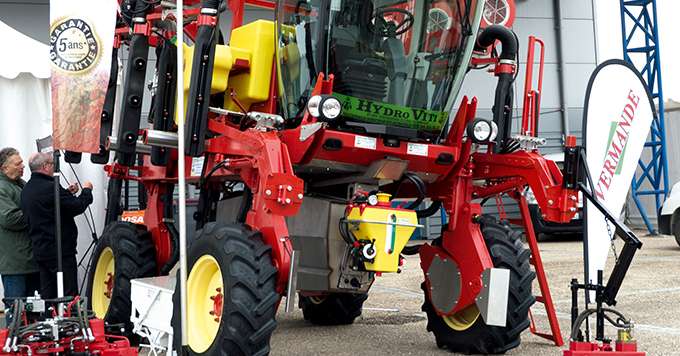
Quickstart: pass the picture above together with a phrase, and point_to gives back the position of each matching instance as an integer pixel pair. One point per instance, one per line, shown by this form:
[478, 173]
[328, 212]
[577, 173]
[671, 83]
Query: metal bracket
[292, 282]
[493, 298]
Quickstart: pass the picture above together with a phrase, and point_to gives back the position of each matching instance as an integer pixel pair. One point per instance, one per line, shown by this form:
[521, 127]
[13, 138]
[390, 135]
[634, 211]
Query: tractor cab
[397, 65]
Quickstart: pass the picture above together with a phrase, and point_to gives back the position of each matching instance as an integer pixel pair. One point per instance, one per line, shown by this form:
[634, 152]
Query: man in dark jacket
[37, 203]
[20, 277]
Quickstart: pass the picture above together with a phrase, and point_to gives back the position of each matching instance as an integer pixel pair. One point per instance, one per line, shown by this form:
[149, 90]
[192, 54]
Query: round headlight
[330, 108]
[313, 105]
[494, 131]
[481, 130]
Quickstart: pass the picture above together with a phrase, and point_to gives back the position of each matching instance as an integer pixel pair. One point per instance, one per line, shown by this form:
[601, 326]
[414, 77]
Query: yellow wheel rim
[464, 319]
[102, 285]
[204, 303]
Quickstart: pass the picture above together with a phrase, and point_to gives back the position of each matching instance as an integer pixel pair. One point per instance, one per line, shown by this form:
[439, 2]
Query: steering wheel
[386, 28]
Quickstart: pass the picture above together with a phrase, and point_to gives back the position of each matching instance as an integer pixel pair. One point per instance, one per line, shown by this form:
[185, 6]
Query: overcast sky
[609, 42]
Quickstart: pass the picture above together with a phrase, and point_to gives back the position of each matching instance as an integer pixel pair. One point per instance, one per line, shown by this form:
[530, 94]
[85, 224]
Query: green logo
[612, 132]
[376, 112]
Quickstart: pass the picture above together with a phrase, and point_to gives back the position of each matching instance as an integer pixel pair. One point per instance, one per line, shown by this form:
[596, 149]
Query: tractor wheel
[125, 251]
[332, 309]
[466, 332]
[231, 292]
[675, 226]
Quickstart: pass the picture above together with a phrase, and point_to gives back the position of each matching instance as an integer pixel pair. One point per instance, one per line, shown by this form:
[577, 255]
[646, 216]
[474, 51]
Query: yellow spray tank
[383, 231]
[245, 65]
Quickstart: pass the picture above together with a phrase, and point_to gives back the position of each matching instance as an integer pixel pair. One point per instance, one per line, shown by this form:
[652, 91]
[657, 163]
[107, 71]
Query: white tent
[25, 115]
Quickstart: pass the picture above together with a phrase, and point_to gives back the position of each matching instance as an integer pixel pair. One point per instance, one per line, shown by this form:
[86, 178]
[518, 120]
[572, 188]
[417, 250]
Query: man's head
[11, 163]
[41, 163]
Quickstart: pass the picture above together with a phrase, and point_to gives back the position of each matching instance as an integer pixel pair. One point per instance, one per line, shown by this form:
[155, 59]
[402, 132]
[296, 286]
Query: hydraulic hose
[411, 250]
[503, 101]
[621, 322]
[430, 210]
[420, 186]
[422, 194]
[211, 4]
[500, 33]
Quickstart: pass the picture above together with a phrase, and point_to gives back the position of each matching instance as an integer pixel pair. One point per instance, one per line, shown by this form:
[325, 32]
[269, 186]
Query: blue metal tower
[641, 48]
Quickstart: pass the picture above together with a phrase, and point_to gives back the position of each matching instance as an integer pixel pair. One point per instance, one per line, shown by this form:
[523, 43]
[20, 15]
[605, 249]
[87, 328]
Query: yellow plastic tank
[389, 229]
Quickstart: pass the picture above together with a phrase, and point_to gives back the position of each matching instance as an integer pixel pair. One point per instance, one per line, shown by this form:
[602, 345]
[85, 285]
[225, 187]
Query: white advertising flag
[618, 114]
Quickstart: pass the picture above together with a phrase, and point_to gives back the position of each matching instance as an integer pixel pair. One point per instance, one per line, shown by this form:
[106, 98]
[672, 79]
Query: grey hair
[5, 154]
[38, 160]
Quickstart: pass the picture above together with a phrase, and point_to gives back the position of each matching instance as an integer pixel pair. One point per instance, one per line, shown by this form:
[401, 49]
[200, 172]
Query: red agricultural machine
[318, 141]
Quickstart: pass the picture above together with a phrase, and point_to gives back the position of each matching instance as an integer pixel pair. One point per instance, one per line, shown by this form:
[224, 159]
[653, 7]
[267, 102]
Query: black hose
[411, 250]
[211, 4]
[503, 100]
[422, 194]
[13, 324]
[344, 232]
[622, 322]
[430, 210]
[500, 33]
[420, 186]
[79, 317]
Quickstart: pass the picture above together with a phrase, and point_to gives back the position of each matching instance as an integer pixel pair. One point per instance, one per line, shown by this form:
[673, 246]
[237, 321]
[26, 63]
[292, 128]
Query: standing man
[37, 202]
[20, 277]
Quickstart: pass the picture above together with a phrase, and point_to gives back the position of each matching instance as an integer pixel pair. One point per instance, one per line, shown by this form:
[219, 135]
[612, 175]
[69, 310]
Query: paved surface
[392, 323]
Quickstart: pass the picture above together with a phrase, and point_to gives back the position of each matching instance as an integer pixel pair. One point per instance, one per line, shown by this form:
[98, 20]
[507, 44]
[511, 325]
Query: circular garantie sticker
[74, 45]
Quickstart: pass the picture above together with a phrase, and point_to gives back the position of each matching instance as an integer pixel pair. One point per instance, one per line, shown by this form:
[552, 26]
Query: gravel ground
[393, 324]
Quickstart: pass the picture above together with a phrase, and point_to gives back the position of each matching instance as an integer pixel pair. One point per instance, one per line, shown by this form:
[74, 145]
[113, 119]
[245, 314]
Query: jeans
[17, 286]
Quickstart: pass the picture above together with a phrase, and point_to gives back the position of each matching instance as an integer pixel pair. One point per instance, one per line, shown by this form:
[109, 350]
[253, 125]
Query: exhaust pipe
[159, 138]
[112, 145]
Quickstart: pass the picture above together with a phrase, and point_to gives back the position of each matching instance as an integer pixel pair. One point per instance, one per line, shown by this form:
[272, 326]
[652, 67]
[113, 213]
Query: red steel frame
[532, 96]
[265, 162]
[105, 345]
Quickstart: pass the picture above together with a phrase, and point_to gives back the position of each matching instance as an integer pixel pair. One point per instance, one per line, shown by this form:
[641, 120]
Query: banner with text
[81, 41]
[618, 115]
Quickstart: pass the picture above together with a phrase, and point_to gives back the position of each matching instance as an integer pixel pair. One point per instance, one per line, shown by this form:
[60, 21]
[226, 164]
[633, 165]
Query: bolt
[300, 196]
[550, 202]
[289, 188]
[217, 320]
[287, 200]
[268, 192]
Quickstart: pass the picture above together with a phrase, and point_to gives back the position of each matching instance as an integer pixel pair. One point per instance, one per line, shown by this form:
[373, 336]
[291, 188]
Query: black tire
[134, 257]
[332, 309]
[507, 251]
[249, 280]
[675, 226]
